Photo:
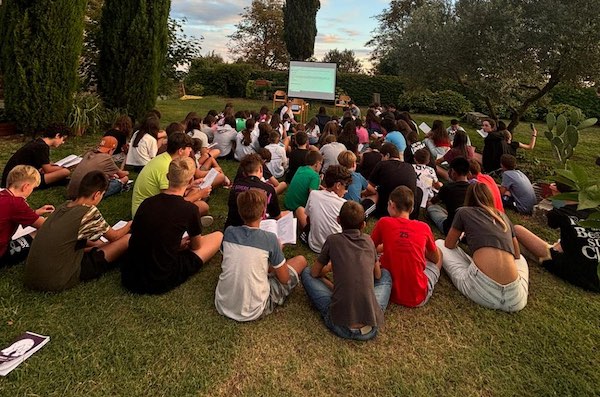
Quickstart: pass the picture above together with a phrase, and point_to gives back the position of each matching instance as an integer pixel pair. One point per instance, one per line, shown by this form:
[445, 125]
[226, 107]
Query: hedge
[441, 102]
[585, 99]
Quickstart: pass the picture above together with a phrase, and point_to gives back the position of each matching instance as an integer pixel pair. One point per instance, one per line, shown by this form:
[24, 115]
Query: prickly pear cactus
[563, 133]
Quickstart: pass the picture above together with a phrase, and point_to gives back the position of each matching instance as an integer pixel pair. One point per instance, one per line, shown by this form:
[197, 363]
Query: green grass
[106, 341]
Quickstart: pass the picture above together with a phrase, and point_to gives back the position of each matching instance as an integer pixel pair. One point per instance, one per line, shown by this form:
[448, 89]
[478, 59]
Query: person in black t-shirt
[574, 257]
[297, 157]
[159, 258]
[37, 154]
[387, 175]
[369, 159]
[452, 195]
[252, 171]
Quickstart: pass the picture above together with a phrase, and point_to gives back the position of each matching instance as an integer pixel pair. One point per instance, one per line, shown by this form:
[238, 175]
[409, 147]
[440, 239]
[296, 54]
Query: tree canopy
[346, 60]
[258, 38]
[300, 27]
[507, 52]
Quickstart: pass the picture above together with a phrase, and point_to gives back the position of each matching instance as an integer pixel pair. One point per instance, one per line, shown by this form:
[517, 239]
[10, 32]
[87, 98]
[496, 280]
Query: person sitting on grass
[99, 159]
[153, 178]
[318, 220]
[352, 305]
[159, 258]
[452, 195]
[305, 180]
[475, 174]
[145, 143]
[427, 179]
[265, 156]
[297, 157]
[246, 141]
[454, 128]
[496, 276]
[255, 276]
[279, 162]
[330, 151]
[15, 212]
[225, 138]
[516, 189]
[67, 248]
[203, 168]
[250, 177]
[356, 190]
[37, 154]
[409, 251]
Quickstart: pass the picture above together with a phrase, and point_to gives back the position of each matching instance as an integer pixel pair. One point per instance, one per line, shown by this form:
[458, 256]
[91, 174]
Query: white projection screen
[312, 80]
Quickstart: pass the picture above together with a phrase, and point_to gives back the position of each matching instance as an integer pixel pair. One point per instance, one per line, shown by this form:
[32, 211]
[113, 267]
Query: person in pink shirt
[361, 132]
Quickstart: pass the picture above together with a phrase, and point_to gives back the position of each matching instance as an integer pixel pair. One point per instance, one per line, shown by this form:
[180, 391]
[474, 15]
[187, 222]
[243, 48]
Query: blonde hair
[21, 174]
[347, 159]
[479, 195]
[181, 171]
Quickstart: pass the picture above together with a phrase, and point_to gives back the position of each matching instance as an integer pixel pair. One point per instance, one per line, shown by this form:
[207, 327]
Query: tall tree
[346, 60]
[300, 27]
[259, 35]
[40, 43]
[133, 49]
[508, 52]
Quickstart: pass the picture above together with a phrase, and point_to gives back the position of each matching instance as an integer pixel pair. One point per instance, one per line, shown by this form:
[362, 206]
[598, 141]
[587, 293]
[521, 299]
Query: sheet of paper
[286, 229]
[425, 128]
[212, 145]
[116, 226]
[20, 350]
[482, 133]
[209, 178]
[269, 225]
[23, 231]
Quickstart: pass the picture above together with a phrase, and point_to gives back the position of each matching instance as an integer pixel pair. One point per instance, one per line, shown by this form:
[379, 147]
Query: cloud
[350, 32]
[329, 38]
[211, 13]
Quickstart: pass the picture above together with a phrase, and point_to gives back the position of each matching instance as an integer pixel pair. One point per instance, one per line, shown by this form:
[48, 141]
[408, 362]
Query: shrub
[451, 103]
[40, 43]
[360, 87]
[225, 79]
[584, 98]
[565, 110]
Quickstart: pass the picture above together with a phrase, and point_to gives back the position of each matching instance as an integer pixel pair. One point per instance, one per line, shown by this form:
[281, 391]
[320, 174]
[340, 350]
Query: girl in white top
[279, 162]
[225, 137]
[313, 131]
[246, 141]
[144, 143]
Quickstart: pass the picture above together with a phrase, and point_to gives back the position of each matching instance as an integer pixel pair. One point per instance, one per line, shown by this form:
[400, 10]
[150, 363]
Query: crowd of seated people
[335, 174]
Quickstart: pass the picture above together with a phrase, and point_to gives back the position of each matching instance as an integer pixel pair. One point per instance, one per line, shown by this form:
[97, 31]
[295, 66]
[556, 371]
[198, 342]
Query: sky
[341, 24]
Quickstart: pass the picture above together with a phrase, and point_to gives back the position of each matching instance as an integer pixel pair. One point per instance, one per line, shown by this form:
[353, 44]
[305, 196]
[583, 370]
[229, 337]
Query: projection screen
[312, 80]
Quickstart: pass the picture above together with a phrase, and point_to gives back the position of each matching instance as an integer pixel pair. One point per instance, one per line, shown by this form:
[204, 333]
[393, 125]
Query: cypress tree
[133, 48]
[40, 43]
[300, 27]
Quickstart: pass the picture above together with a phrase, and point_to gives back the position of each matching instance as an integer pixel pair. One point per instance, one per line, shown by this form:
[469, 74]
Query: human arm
[452, 238]
[45, 209]
[371, 189]
[531, 144]
[113, 235]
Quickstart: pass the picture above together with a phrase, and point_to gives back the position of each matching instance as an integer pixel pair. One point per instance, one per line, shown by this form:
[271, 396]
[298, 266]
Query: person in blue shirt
[357, 189]
[394, 136]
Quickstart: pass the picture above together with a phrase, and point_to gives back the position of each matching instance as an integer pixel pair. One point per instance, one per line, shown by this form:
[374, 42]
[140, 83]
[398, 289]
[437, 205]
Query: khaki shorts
[279, 291]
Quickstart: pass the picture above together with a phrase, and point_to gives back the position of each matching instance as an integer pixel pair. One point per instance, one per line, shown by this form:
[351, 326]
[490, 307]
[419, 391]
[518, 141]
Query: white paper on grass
[23, 231]
[482, 133]
[20, 350]
[209, 178]
[284, 228]
[425, 128]
[69, 161]
[116, 226]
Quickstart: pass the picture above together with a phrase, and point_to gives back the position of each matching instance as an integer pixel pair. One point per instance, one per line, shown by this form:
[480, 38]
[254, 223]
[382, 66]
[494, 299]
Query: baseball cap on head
[107, 144]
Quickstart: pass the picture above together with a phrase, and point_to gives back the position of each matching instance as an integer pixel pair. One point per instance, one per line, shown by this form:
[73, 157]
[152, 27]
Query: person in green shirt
[306, 179]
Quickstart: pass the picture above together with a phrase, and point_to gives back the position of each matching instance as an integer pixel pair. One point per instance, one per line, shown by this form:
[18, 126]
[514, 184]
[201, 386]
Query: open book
[425, 128]
[482, 133]
[212, 145]
[23, 231]
[20, 350]
[284, 228]
[209, 178]
[116, 226]
[69, 161]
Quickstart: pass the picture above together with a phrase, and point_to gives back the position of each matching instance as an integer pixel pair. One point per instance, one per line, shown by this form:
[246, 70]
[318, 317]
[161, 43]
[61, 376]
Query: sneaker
[206, 221]
[304, 237]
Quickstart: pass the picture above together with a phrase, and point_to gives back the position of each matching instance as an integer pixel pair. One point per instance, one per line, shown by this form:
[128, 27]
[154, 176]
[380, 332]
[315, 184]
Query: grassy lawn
[106, 341]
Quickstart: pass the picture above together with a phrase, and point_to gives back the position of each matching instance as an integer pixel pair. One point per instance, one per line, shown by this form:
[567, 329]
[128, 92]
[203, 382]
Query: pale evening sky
[341, 24]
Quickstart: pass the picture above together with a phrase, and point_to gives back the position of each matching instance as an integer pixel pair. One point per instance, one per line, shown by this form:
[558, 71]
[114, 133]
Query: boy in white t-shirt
[318, 219]
[279, 162]
[427, 179]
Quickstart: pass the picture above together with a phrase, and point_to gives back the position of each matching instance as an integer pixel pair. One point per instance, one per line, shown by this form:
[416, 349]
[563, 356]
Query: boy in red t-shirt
[409, 251]
[14, 211]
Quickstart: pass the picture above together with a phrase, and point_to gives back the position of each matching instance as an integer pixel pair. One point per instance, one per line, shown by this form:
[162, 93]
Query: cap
[107, 144]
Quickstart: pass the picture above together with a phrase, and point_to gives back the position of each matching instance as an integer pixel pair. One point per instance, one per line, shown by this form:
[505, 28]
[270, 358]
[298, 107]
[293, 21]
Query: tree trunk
[516, 114]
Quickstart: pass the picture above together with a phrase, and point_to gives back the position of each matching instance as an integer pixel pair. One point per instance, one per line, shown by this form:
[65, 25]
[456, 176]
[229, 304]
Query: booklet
[425, 128]
[212, 145]
[209, 178]
[20, 350]
[284, 228]
[69, 161]
[116, 226]
[23, 231]
[482, 133]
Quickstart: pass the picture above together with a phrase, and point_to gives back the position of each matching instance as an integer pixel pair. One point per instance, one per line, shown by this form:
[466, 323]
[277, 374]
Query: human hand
[45, 209]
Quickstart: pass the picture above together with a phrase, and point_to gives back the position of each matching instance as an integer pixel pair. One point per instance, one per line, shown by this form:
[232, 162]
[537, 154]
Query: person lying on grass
[15, 211]
[37, 154]
[255, 276]
[409, 251]
[67, 248]
[352, 305]
[496, 276]
[159, 258]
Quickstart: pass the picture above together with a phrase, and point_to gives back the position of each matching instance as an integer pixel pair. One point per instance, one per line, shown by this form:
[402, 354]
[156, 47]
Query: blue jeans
[320, 296]
[438, 215]
[114, 186]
